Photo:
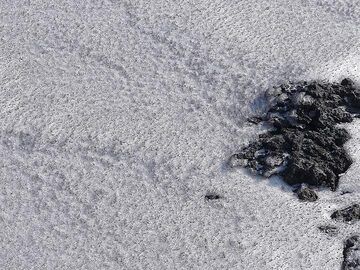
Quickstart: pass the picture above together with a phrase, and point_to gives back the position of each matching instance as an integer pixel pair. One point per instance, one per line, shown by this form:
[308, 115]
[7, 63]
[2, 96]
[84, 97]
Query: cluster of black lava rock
[304, 145]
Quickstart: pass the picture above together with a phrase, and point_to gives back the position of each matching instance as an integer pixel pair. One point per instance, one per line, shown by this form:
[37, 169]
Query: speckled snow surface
[117, 117]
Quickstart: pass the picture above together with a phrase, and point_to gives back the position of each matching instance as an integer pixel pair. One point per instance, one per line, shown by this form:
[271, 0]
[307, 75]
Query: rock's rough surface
[352, 253]
[304, 144]
[348, 214]
[306, 194]
[329, 230]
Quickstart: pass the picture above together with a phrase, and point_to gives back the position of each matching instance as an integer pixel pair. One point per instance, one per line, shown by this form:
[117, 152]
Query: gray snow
[117, 117]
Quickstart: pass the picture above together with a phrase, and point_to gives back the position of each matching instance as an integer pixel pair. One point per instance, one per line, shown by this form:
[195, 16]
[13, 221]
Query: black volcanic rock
[212, 196]
[329, 230]
[348, 214]
[304, 145]
[306, 194]
[347, 82]
[351, 253]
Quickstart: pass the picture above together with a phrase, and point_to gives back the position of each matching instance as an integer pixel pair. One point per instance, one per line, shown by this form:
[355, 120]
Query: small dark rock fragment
[347, 82]
[212, 196]
[328, 229]
[351, 253]
[254, 120]
[306, 194]
[348, 214]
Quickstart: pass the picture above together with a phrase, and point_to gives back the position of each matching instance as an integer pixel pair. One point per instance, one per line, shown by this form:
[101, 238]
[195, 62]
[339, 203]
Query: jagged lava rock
[351, 253]
[304, 144]
[348, 214]
[306, 194]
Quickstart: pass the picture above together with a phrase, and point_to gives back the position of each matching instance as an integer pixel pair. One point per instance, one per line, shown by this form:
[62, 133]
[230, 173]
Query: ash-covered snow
[117, 119]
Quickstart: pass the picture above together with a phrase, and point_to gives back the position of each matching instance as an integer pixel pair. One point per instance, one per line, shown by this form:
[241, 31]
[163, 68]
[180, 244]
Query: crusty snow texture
[117, 118]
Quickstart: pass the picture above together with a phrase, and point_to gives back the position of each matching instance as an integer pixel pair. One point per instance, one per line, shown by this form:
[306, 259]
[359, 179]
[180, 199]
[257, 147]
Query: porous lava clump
[304, 145]
[348, 214]
[306, 194]
[352, 253]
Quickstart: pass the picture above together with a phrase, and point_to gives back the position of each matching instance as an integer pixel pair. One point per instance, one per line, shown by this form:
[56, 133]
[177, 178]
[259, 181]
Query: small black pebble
[212, 196]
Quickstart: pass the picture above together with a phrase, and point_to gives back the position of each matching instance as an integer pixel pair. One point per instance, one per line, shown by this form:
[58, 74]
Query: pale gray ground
[116, 118]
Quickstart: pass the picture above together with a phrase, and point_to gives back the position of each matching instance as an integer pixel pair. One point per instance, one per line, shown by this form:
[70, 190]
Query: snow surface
[117, 117]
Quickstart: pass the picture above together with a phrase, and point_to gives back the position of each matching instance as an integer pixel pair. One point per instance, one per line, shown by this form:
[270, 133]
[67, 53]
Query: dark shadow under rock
[348, 214]
[304, 145]
[254, 120]
[351, 253]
